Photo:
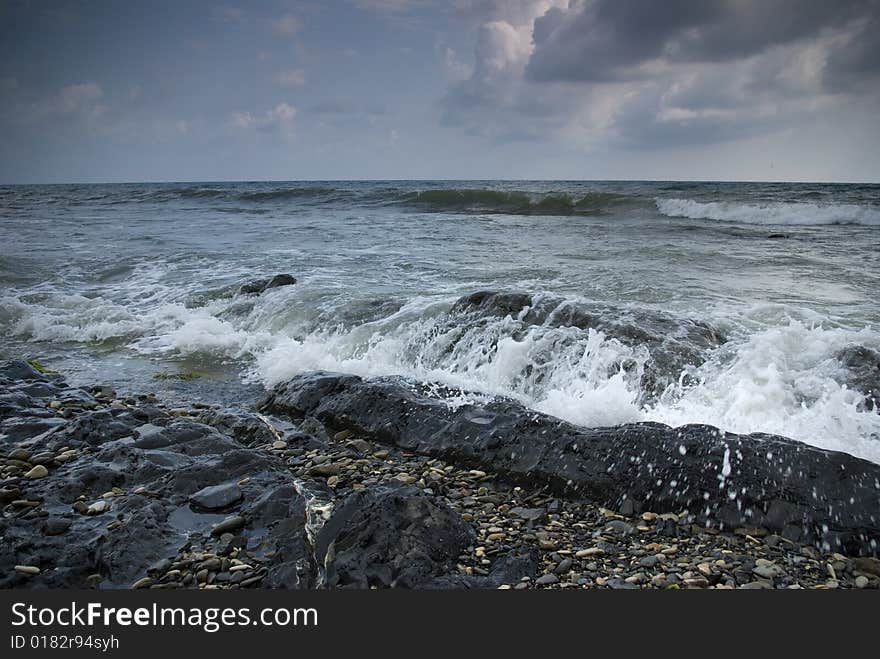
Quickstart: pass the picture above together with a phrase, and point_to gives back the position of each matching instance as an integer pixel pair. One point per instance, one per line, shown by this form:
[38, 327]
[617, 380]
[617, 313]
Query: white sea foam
[774, 213]
[783, 380]
[781, 376]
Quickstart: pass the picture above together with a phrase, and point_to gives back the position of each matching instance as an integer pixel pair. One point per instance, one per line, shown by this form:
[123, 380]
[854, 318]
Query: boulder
[260, 286]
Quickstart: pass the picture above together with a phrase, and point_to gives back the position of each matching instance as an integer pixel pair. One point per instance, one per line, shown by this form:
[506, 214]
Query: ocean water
[752, 307]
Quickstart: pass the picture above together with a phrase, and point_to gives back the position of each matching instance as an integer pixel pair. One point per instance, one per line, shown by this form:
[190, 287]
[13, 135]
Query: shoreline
[142, 494]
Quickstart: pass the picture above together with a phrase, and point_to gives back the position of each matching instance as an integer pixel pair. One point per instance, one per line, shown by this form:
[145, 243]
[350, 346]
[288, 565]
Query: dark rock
[564, 566]
[750, 480]
[620, 584]
[547, 580]
[217, 497]
[862, 373]
[390, 535]
[157, 462]
[260, 286]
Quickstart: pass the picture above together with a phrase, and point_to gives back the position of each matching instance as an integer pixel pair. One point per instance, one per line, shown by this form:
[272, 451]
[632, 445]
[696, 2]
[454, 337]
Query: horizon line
[452, 180]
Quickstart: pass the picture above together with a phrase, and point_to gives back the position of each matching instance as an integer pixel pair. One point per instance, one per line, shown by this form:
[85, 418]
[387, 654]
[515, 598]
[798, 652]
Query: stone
[547, 580]
[19, 454]
[620, 584]
[591, 551]
[232, 523]
[325, 469]
[37, 472]
[393, 535]
[260, 286]
[767, 571]
[217, 497]
[648, 561]
[98, 507]
[564, 566]
[861, 581]
[29, 570]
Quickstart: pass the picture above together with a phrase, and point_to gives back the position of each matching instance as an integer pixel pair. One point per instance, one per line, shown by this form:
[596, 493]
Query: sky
[106, 91]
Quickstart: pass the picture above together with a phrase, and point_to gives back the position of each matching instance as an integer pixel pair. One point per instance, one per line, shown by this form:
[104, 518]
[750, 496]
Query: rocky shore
[338, 482]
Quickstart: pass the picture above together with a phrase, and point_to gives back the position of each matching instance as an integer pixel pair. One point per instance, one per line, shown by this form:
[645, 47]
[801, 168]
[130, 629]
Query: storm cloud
[102, 90]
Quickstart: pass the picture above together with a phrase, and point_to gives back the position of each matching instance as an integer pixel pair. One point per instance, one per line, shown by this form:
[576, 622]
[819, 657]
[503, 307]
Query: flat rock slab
[217, 497]
[725, 480]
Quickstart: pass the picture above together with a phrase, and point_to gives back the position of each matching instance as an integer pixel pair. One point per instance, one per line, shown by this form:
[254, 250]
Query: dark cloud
[856, 62]
[611, 39]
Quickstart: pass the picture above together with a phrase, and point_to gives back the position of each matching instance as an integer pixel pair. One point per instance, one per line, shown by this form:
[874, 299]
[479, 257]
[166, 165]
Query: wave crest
[516, 202]
[789, 213]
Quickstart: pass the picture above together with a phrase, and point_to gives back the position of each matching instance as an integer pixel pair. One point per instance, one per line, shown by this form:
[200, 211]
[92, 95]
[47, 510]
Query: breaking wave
[591, 364]
[779, 213]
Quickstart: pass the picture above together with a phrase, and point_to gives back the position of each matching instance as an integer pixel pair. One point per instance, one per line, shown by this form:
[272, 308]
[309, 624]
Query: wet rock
[143, 466]
[829, 495]
[217, 497]
[259, 286]
[390, 535]
[37, 472]
[862, 373]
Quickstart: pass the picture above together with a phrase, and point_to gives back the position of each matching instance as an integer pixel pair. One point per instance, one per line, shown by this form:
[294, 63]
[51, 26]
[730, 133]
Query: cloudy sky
[96, 90]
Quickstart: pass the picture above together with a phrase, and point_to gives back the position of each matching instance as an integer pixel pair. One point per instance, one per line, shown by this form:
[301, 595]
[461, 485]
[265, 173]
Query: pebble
[327, 469]
[19, 454]
[547, 579]
[37, 472]
[98, 508]
[767, 571]
[564, 566]
[861, 581]
[142, 583]
[592, 551]
[27, 569]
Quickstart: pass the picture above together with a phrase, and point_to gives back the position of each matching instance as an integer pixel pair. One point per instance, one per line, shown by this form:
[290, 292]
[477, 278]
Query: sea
[752, 307]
